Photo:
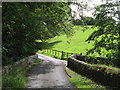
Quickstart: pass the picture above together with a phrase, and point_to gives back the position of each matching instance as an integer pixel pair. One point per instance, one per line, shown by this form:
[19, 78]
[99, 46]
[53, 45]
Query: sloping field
[75, 43]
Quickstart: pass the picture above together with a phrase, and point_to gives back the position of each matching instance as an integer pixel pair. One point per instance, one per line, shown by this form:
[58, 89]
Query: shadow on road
[40, 69]
[49, 74]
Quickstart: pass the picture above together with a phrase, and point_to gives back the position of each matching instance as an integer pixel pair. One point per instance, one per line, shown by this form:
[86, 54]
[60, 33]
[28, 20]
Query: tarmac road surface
[49, 74]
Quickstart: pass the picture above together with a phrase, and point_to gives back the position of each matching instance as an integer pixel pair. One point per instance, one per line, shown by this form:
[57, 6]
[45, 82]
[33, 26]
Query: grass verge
[82, 82]
[16, 78]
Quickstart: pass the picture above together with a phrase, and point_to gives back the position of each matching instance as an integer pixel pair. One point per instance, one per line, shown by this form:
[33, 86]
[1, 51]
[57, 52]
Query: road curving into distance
[49, 74]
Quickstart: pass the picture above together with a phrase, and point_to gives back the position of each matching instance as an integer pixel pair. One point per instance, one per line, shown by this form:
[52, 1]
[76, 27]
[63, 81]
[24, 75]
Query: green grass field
[73, 44]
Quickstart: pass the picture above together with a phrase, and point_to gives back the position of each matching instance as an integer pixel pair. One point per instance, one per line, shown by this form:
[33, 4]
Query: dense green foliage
[23, 23]
[108, 34]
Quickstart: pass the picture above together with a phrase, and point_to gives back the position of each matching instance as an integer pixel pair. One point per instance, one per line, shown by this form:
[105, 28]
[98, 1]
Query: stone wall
[105, 76]
[22, 63]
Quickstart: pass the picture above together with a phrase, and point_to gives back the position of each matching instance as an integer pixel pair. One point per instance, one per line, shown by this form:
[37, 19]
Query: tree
[23, 23]
[84, 21]
[88, 20]
[108, 34]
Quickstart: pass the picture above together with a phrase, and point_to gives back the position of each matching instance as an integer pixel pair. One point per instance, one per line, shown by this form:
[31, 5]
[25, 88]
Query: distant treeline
[84, 21]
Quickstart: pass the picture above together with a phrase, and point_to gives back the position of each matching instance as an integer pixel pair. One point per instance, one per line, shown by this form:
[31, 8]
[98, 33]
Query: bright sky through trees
[90, 4]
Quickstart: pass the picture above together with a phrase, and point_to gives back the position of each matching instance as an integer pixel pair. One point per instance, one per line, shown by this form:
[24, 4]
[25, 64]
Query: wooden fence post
[62, 56]
[55, 52]
[58, 53]
[50, 51]
[67, 54]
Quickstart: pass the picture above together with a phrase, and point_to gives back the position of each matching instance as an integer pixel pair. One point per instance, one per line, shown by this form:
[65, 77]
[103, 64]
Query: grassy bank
[16, 78]
[82, 82]
[73, 44]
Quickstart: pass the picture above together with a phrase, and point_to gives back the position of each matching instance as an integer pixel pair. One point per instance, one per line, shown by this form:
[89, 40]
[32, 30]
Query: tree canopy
[23, 23]
[108, 34]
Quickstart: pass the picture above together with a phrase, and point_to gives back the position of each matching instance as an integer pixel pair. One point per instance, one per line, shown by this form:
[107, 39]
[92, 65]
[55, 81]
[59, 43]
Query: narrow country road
[50, 74]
